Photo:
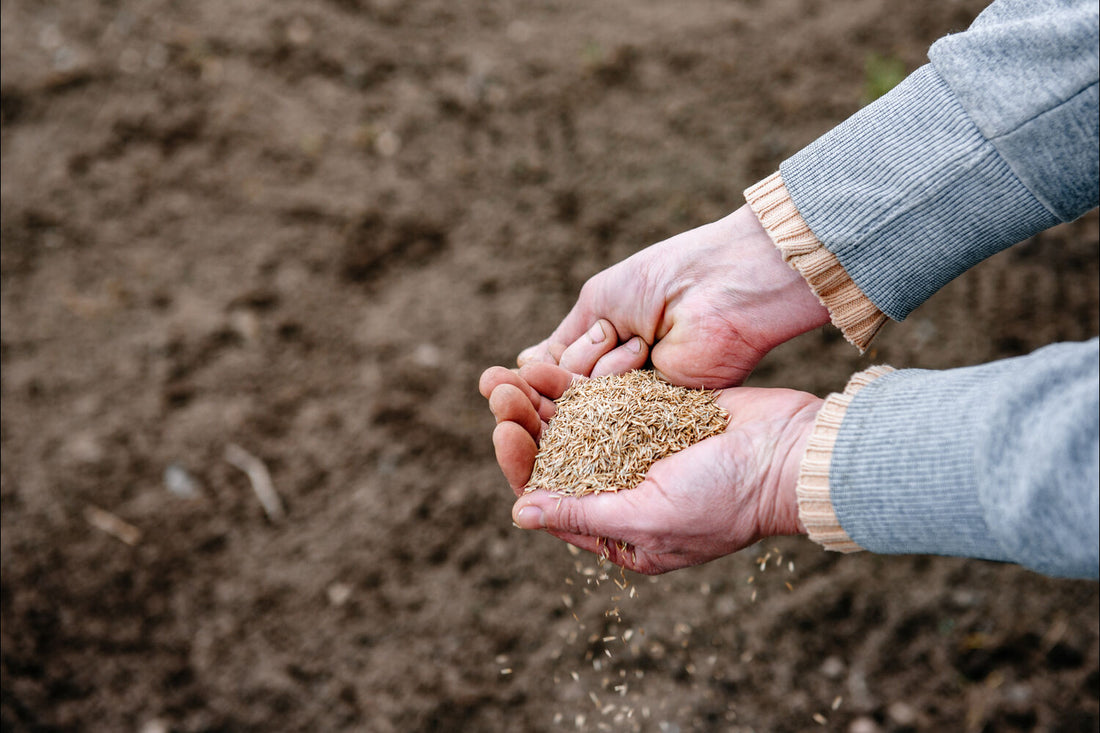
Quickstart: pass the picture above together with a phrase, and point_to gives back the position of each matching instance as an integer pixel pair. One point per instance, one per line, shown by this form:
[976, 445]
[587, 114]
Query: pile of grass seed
[608, 431]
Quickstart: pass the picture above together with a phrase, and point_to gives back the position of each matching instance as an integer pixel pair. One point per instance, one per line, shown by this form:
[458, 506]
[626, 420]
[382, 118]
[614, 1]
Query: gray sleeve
[993, 141]
[999, 461]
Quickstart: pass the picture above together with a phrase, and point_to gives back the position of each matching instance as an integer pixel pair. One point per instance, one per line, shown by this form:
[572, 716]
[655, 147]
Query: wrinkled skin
[713, 498]
[707, 304]
[703, 307]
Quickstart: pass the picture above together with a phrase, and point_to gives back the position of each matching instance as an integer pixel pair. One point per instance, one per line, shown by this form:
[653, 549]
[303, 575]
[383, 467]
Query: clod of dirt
[608, 431]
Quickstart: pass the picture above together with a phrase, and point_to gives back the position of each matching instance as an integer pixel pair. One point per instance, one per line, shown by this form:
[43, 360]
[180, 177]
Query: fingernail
[634, 345]
[596, 333]
[525, 356]
[530, 517]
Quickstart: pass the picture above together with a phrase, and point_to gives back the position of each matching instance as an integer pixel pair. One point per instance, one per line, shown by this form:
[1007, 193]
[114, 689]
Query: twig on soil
[260, 479]
[118, 528]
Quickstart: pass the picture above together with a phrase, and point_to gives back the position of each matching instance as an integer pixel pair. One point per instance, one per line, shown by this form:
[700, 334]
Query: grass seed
[608, 431]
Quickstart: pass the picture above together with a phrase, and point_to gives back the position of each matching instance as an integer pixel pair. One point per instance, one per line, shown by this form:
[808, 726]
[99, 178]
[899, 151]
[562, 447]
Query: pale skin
[703, 307]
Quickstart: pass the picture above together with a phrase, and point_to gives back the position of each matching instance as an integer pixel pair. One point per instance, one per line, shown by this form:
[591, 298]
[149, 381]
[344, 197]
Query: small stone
[387, 143]
[902, 713]
[299, 32]
[338, 593]
[180, 482]
[863, 725]
[833, 667]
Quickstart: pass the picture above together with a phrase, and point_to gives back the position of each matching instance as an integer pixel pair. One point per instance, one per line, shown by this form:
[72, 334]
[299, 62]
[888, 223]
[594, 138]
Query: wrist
[816, 511]
[790, 306]
[847, 306]
[797, 437]
[787, 418]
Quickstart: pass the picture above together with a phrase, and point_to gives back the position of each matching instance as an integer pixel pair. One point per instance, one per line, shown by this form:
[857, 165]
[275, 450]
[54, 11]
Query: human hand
[707, 304]
[711, 499]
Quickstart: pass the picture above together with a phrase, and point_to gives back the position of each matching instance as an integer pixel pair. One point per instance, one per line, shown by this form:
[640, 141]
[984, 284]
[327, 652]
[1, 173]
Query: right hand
[706, 305]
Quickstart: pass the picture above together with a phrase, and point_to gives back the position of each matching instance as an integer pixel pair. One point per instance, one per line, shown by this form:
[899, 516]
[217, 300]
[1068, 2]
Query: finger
[547, 379]
[581, 355]
[596, 515]
[509, 404]
[540, 352]
[515, 451]
[544, 352]
[496, 376]
[631, 355]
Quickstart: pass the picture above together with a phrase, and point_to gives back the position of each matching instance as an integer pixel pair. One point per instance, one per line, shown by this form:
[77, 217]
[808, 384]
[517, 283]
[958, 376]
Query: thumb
[596, 515]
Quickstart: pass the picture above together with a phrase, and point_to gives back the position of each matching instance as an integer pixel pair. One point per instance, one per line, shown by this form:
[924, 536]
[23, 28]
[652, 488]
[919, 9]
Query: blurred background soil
[304, 228]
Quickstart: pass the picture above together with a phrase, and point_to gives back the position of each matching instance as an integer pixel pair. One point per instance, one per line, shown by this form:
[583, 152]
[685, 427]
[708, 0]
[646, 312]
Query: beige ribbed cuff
[815, 507]
[849, 309]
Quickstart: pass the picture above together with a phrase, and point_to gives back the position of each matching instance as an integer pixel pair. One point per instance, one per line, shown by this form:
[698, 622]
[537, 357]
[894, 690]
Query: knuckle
[572, 517]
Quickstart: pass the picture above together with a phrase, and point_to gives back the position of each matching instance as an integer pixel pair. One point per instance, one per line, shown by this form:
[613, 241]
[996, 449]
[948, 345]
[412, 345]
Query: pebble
[863, 725]
[902, 713]
[338, 593]
[833, 667]
[180, 482]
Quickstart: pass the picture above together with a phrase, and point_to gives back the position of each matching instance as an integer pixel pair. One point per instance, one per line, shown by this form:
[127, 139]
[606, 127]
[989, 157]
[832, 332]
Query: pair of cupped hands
[702, 308]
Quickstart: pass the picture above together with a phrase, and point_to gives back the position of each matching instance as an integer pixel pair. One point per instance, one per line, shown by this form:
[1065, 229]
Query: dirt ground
[304, 228]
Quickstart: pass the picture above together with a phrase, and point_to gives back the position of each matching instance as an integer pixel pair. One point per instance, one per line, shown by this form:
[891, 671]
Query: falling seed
[789, 586]
[820, 719]
[790, 566]
[506, 671]
[836, 702]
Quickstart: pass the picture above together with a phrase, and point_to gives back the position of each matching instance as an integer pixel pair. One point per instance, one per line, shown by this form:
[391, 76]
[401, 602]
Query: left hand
[711, 499]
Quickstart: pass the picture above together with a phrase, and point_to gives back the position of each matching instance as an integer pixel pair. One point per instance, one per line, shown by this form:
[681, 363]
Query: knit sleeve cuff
[849, 309]
[815, 507]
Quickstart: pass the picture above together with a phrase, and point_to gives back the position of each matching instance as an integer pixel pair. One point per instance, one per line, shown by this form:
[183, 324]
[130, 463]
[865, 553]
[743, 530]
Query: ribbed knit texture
[849, 309]
[908, 194]
[815, 507]
[997, 461]
[1027, 73]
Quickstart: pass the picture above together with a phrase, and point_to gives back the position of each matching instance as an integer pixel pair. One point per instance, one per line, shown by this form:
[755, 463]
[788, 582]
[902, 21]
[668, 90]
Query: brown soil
[305, 228]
